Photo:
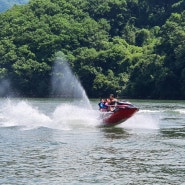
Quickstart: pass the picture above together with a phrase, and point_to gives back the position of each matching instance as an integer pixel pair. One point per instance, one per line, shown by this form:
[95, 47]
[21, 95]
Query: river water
[52, 141]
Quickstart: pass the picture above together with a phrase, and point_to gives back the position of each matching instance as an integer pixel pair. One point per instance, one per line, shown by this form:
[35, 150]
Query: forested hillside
[132, 48]
[6, 4]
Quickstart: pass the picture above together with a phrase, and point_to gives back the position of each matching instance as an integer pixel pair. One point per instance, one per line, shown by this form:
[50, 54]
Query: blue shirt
[102, 105]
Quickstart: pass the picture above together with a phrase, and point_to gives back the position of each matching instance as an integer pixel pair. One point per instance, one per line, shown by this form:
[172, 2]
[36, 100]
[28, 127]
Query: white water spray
[65, 84]
[21, 113]
[5, 88]
[143, 120]
[76, 113]
[65, 116]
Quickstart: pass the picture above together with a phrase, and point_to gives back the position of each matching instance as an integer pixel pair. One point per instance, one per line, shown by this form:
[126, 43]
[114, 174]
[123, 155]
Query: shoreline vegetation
[134, 49]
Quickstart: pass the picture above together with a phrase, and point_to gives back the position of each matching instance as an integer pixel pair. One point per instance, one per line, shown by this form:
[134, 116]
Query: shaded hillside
[131, 48]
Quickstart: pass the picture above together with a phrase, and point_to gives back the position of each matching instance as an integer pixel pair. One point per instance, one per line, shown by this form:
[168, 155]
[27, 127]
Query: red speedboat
[122, 111]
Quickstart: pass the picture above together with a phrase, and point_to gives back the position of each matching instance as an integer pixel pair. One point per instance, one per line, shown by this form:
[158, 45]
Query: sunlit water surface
[50, 141]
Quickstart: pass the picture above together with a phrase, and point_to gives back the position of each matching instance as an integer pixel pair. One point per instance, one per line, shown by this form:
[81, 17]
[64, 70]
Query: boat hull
[119, 115]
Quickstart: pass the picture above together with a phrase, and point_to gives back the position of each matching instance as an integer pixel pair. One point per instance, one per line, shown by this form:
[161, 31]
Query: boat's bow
[121, 113]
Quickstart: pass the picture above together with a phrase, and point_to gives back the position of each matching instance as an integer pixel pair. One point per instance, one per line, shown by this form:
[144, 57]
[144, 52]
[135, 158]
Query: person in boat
[107, 103]
[113, 102]
[103, 105]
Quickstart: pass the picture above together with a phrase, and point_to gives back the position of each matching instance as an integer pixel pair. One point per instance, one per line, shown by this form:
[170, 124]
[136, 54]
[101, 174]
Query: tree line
[132, 48]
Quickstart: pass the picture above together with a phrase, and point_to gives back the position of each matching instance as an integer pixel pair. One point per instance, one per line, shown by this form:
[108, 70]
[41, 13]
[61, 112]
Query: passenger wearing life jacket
[102, 105]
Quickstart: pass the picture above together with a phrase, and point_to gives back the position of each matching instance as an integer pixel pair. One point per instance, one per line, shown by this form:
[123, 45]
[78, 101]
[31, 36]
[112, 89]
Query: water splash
[65, 84]
[5, 88]
[143, 121]
[21, 113]
[66, 116]
[72, 116]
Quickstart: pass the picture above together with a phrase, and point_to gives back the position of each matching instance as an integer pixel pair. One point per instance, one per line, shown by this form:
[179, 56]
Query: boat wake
[142, 121]
[66, 116]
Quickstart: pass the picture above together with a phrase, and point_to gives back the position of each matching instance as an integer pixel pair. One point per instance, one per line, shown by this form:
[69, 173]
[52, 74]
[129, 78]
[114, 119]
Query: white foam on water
[181, 111]
[71, 116]
[66, 116]
[22, 113]
[142, 121]
[149, 111]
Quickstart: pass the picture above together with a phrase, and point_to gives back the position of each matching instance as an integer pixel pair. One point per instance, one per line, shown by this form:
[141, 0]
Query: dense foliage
[133, 48]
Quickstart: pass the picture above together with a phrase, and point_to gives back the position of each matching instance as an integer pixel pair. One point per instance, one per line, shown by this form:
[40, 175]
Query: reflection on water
[115, 133]
[174, 133]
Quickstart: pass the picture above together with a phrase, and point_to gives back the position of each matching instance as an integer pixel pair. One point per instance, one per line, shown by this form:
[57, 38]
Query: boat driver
[113, 102]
